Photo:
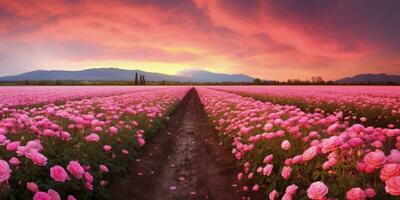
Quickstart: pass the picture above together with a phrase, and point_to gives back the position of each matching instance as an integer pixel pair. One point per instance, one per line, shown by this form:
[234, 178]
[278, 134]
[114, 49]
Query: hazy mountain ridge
[206, 76]
[370, 78]
[116, 74]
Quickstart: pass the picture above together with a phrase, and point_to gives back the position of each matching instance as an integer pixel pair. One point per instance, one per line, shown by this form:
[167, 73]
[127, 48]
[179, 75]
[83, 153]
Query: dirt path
[183, 161]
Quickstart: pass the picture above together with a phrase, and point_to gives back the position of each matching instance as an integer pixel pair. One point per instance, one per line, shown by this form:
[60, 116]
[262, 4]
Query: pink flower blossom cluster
[283, 150]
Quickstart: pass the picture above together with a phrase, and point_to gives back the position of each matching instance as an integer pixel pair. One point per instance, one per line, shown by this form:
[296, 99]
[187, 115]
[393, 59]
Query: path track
[187, 155]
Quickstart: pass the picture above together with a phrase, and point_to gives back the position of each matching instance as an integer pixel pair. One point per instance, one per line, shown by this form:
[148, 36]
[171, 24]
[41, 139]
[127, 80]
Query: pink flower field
[72, 149]
[288, 142]
[292, 154]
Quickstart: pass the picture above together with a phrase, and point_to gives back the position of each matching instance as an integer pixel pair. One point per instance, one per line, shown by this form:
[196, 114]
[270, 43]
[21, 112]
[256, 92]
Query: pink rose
[141, 141]
[370, 193]
[113, 130]
[390, 170]
[14, 161]
[355, 142]
[330, 144]
[41, 196]
[273, 195]
[5, 171]
[287, 196]
[394, 156]
[317, 190]
[268, 158]
[332, 128]
[375, 159]
[267, 170]
[107, 148]
[53, 195]
[31, 186]
[70, 197]
[13, 146]
[393, 186]
[256, 188]
[103, 168]
[103, 183]
[125, 152]
[37, 158]
[309, 153]
[58, 173]
[286, 172]
[75, 169]
[240, 176]
[92, 138]
[89, 185]
[285, 145]
[291, 189]
[88, 177]
[355, 194]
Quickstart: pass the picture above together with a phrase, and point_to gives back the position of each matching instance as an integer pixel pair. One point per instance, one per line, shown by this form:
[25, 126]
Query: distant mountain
[103, 74]
[206, 76]
[370, 78]
[114, 74]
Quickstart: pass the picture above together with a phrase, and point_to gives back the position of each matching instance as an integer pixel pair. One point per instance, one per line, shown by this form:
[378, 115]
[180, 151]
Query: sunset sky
[270, 39]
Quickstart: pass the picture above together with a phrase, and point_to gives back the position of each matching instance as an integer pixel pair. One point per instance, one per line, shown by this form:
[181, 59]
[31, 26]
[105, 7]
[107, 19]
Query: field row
[367, 105]
[293, 154]
[74, 149]
[31, 95]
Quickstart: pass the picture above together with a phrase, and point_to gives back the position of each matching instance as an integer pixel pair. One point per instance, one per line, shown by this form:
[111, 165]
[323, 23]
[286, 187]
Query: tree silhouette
[136, 79]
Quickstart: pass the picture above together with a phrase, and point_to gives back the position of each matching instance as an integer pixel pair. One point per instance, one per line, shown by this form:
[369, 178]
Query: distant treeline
[133, 82]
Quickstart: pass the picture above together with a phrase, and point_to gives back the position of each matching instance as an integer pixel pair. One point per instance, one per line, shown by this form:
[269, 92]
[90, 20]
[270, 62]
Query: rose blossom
[5, 171]
[14, 161]
[70, 197]
[286, 172]
[309, 153]
[268, 158]
[393, 186]
[355, 194]
[58, 173]
[92, 138]
[107, 148]
[390, 170]
[375, 159]
[267, 170]
[330, 144]
[273, 195]
[88, 177]
[37, 158]
[13, 146]
[103, 168]
[317, 190]
[291, 189]
[370, 193]
[75, 169]
[41, 196]
[394, 156]
[54, 195]
[32, 187]
[285, 145]
[113, 130]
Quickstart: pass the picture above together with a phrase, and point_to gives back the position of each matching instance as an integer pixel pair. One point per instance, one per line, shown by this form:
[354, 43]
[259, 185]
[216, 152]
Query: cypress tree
[136, 79]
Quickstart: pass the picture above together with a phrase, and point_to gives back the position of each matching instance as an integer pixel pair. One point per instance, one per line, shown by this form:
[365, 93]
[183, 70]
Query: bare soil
[185, 160]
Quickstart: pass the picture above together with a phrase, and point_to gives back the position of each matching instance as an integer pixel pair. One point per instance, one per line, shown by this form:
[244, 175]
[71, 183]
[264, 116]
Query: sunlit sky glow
[270, 39]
